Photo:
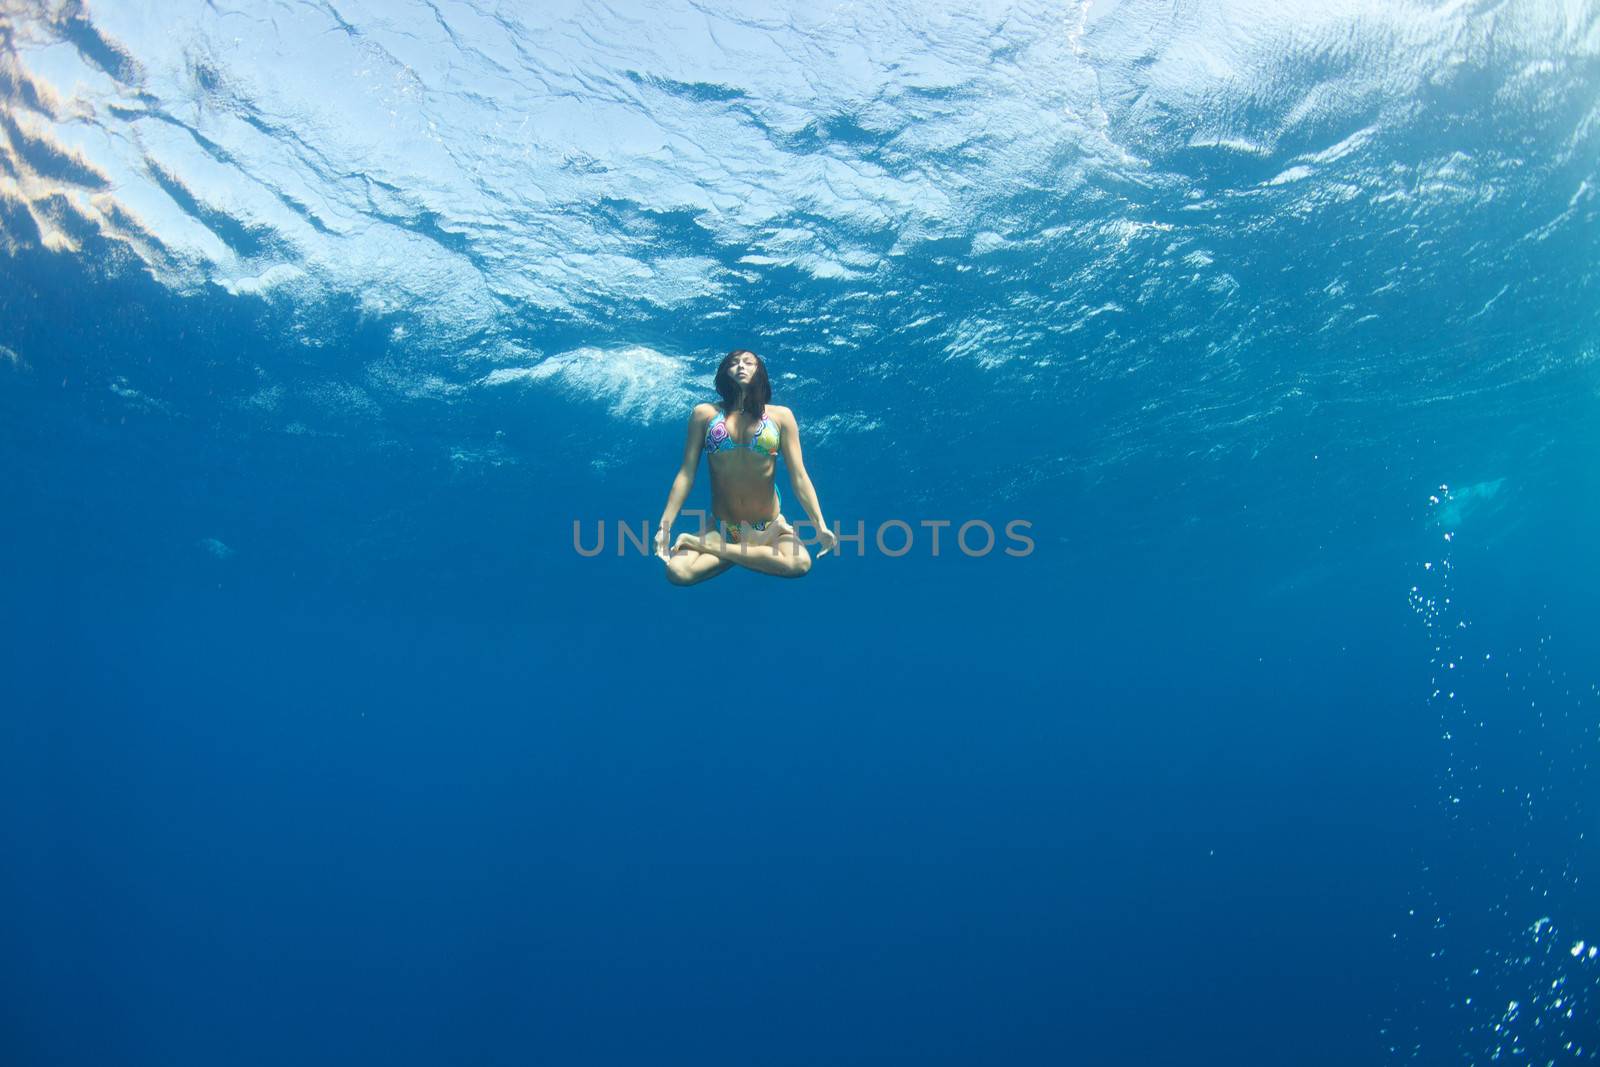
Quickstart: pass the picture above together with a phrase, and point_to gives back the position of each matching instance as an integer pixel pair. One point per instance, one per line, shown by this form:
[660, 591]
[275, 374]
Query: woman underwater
[742, 439]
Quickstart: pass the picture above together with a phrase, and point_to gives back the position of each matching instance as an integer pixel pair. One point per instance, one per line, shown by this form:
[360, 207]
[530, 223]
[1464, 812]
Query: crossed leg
[776, 551]
[688, 566]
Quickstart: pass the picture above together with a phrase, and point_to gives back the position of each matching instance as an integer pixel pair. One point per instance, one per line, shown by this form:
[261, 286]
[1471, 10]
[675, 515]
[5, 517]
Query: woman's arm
[690, 466]
[799, 480]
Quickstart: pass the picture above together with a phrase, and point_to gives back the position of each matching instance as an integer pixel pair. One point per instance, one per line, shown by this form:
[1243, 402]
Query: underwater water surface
[323, 327]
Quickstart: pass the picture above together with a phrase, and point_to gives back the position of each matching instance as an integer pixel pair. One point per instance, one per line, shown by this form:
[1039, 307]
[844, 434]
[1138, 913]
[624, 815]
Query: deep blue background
[406, 780]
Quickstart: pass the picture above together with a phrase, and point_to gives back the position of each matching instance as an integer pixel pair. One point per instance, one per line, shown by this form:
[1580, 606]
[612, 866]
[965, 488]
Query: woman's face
[743, 368]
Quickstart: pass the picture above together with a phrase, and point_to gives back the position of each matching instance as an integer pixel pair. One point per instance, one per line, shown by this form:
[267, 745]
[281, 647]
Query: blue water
[322, 324]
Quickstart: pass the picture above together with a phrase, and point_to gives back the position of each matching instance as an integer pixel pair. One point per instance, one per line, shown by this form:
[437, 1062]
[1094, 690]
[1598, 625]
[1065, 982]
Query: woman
[742, 438]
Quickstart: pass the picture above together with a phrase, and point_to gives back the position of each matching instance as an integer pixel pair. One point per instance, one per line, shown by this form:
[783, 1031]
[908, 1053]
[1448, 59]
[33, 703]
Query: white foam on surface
[1061, 195]
[635, 382]
[450, 154]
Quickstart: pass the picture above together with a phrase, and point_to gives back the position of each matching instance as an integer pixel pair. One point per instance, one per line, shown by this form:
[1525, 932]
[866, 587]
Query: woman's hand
[662, 533]
[827, 540]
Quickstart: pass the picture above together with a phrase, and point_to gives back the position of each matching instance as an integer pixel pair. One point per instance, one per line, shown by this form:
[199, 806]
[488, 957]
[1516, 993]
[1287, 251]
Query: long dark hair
[756, 395]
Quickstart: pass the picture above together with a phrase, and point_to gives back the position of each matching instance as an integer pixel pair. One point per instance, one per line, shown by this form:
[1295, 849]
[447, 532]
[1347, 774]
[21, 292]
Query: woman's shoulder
[703, 411]
[783, 416]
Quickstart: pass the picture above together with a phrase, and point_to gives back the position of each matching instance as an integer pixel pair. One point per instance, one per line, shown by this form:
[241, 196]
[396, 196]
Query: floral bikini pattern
[766, 440]
[715, 435]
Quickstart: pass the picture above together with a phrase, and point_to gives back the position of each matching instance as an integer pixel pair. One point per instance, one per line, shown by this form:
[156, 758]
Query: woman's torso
[741, 450]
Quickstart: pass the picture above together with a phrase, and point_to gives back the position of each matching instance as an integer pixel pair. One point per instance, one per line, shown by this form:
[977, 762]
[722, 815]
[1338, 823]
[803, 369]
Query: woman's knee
[799, 564]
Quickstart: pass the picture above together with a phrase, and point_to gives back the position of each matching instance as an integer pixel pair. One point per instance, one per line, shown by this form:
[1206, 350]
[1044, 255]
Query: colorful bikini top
[766, 441]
